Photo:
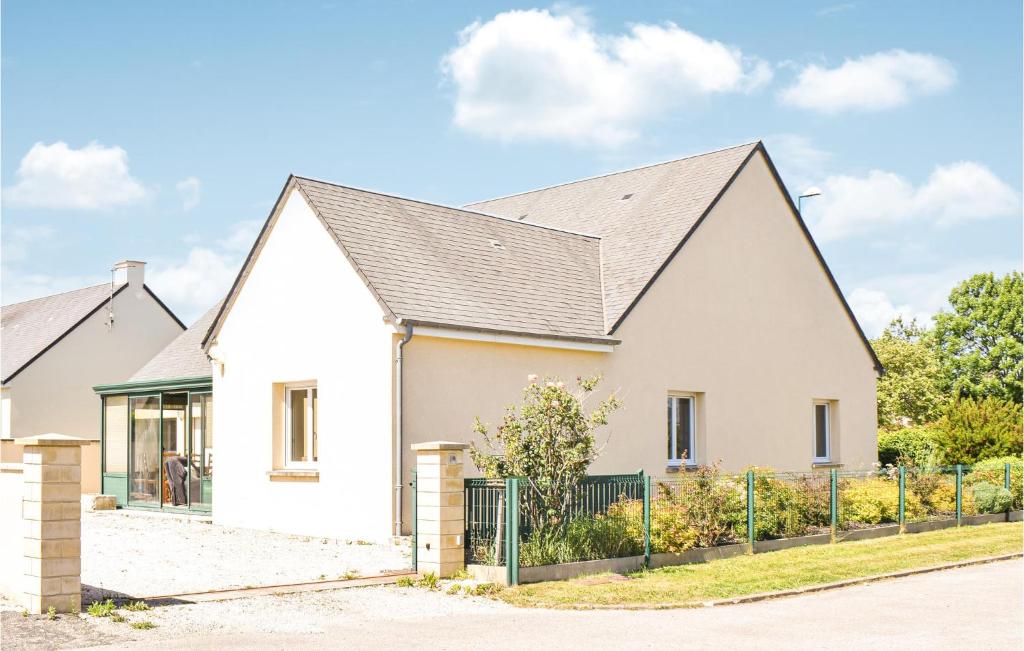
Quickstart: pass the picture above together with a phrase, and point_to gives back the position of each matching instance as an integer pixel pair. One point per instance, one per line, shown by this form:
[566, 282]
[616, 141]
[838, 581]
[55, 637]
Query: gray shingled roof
[433, 264]
[27, 329]
[638, 234]
[184, 357]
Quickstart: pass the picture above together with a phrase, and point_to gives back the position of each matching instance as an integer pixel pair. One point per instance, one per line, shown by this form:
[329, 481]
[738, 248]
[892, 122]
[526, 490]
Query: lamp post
[809, 192]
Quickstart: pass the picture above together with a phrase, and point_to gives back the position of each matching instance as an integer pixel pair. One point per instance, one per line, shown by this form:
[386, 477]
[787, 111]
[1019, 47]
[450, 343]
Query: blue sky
[164, 131]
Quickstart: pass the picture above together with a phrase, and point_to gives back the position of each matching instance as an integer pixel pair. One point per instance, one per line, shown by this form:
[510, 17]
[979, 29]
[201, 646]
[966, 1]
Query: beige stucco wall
[303, 314]
[744, 316]
[54, 393]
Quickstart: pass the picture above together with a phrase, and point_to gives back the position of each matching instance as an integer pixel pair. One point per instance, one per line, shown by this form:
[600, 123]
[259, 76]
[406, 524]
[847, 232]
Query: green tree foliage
[910, 392]
[911, 446]
[975, 429]
[979, 342]
[549, 441]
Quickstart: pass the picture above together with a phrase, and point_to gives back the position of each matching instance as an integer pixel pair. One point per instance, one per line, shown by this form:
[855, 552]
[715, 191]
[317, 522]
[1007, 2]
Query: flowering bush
[875, 501]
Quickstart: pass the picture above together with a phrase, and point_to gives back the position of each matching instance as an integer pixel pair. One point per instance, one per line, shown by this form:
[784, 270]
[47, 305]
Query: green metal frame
[903, 499]
[190, 387]
[750, 509]
[647, 521]
[512, 530]
[959, 494]
[833, 499]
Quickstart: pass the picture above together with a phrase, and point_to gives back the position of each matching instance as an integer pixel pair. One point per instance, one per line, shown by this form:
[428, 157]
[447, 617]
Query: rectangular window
[682, 431]
[300, 426]
[822, 432]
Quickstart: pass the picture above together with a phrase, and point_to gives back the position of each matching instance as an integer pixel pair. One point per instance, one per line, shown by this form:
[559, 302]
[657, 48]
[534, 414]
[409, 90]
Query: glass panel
[297, 425]
[671, 400]
[314, 426]
[201, 454]
[821, 431]
[175, 455]
[145, 437]
[115, 434]
[683, 431]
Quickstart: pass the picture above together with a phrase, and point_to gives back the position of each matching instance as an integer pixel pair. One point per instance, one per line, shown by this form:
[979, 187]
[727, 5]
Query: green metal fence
[613, 516]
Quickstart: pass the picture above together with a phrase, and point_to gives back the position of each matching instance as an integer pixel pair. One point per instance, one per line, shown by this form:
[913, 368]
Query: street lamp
[809, 192]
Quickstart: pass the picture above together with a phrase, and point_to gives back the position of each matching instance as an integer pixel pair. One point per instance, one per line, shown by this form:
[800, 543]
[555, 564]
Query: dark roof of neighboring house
[30, 328]
[641, 215]
[184, 357]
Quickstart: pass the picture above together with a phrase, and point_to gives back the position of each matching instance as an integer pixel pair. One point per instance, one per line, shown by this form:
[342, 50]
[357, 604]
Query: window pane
[145, 473]
[297, 425]
[684, 430]
[314, 426]
[821, 431]
[669, 437]
[115, 433]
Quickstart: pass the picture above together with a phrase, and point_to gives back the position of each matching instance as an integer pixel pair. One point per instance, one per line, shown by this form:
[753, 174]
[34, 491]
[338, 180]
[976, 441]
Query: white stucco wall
[304, 314]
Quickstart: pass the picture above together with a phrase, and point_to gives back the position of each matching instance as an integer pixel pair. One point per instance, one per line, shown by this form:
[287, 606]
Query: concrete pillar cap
[51, 439]
[439, 445]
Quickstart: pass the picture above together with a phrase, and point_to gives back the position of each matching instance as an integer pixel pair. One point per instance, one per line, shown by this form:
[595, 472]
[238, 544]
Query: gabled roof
[641, 215]
[30, 328]
[184, 357]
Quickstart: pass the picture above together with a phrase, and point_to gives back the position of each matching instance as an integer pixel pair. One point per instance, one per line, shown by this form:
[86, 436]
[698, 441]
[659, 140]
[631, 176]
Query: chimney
[132, 272]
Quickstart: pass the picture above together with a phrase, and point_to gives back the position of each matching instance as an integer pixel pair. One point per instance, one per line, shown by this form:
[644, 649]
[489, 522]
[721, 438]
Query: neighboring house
[55, 348]
[362, 323]
[162, 414]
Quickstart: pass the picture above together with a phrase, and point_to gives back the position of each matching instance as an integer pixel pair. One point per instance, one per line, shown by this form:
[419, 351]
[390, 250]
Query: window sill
[826, 464]
[682, 468]
[294, 475]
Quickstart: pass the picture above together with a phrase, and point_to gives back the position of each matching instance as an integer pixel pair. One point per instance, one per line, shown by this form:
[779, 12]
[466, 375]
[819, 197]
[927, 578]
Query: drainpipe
[398, 428]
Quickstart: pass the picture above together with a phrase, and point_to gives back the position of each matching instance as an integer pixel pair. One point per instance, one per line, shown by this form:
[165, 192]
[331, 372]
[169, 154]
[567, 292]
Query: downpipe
[399, 358]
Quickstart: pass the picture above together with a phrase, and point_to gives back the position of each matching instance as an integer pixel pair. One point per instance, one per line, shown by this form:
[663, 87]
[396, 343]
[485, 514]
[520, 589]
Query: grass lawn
[792, 568]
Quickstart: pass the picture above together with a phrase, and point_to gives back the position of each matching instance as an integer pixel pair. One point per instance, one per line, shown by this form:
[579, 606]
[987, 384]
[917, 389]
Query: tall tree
[910, 392]
[979, 341]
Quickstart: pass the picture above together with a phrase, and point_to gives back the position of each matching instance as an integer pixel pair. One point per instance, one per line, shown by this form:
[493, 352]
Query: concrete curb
[263, 590]
[766, 596]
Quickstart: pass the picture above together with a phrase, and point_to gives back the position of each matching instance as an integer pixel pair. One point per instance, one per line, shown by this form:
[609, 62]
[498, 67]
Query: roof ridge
[68, 291]
[469, 211]
[606, 174]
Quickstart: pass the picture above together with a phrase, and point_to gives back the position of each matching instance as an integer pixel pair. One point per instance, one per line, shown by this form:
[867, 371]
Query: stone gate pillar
[440, 507]
[52, 517]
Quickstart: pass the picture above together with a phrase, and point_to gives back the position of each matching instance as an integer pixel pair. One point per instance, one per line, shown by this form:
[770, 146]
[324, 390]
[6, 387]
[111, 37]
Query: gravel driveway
[143, 555]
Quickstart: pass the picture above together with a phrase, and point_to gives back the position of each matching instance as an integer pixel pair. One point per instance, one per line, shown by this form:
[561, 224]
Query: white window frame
[309, 434]
[675, 459]
[828, 431]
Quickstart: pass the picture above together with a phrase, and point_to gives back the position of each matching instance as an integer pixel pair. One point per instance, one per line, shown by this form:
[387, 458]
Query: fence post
[903, 500]
[647, 522]
[750, 510]
[415, 524]
[833, 501]
[512, 531]
[959, 493]
[1006, 485]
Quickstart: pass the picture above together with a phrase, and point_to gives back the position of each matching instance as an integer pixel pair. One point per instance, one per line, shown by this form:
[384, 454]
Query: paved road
[974, 607]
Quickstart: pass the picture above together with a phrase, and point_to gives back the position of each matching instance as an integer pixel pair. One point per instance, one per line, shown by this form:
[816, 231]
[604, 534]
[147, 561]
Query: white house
[362, 323]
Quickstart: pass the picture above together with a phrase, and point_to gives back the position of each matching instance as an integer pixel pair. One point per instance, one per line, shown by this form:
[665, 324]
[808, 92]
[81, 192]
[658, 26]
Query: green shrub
[911, 446]
[101, 608]
[405, 582]
[974, 430]
[992, 471]
[943, 500]
[586, 537]
[780, 511]
[428, 581]
[874, 501]
[990, 498]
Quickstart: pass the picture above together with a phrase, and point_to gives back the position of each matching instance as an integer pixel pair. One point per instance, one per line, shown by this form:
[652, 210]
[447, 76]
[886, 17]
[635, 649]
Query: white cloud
[91, 178]
[193, 284]
[17, 240]
[875, 310]
[189, 189]
[836, 9]
[953, 193]
[870, 83]
[538, 75]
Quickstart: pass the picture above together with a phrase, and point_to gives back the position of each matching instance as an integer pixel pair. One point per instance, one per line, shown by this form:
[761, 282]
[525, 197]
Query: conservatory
[156, 430]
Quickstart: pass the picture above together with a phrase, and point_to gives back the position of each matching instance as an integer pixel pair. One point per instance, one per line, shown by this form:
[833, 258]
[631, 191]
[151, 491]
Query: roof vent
[497, 245]
[626, 196]
[521, 217]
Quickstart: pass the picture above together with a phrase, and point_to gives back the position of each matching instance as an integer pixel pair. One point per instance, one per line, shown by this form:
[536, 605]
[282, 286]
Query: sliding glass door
[201, 467]
[144, 473]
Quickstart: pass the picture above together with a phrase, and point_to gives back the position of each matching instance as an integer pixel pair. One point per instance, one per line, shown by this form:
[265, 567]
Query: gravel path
[138, 554]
